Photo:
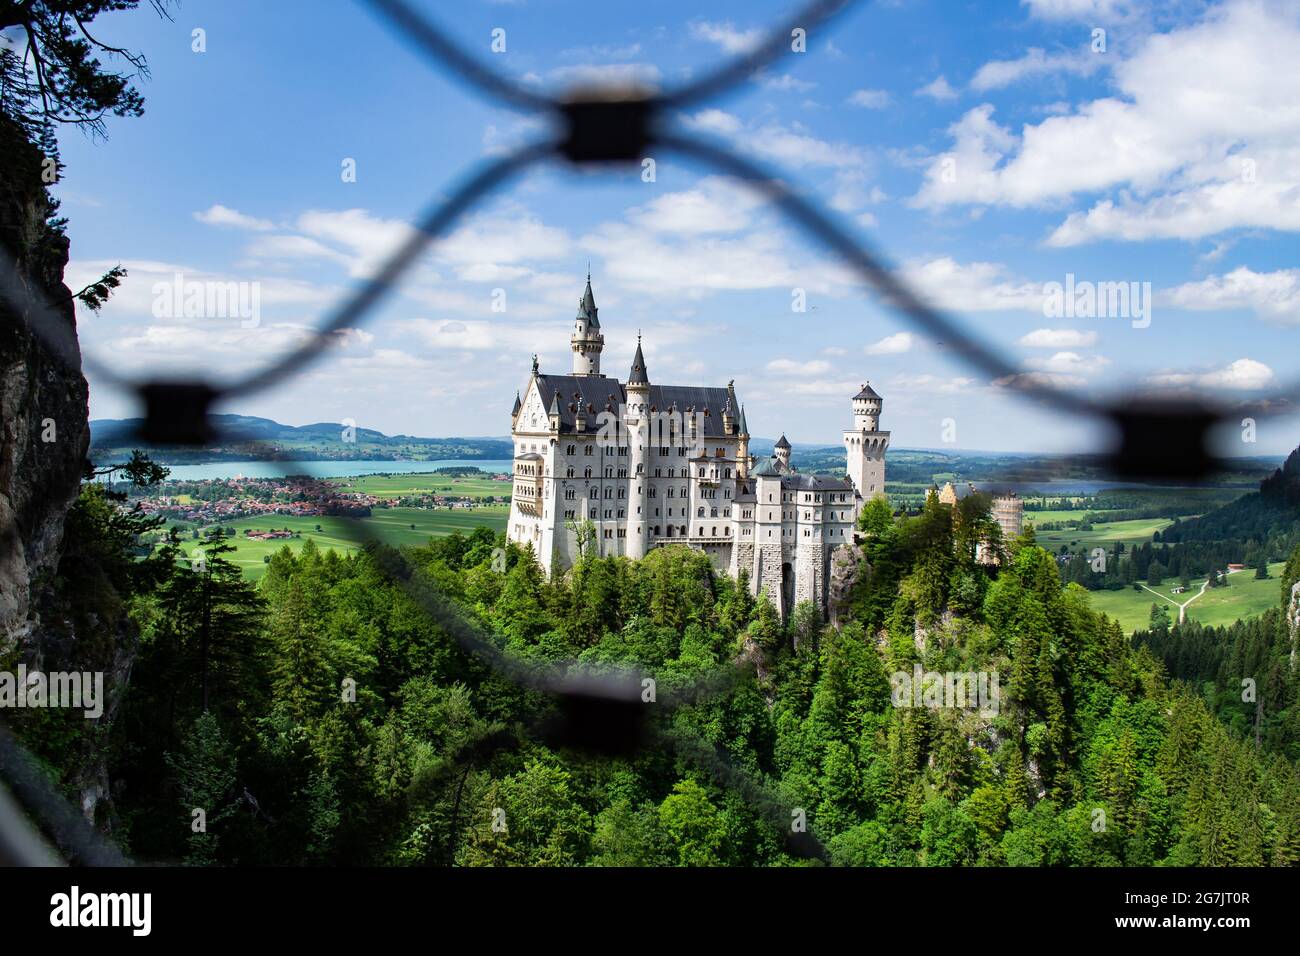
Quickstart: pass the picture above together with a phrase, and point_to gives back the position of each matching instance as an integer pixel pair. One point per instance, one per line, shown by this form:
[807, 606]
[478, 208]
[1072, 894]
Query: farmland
[1243, 597]
[394, 526]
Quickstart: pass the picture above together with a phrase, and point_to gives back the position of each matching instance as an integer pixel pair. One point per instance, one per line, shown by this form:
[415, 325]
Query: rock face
[848, 565]
[43, 406]
[1293, 621]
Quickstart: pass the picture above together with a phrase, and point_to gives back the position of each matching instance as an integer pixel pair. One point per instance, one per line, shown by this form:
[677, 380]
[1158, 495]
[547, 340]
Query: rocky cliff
[43, 408]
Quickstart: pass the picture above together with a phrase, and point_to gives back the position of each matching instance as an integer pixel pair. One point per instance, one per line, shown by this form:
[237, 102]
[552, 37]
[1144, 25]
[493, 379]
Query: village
[221, 500]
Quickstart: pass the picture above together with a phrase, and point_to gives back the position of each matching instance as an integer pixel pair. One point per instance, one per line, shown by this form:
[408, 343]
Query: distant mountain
[1271, 512]
[245, 437]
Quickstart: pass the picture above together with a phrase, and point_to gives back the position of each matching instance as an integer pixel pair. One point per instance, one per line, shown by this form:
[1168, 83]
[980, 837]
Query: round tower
[587, 341]
[866, 409]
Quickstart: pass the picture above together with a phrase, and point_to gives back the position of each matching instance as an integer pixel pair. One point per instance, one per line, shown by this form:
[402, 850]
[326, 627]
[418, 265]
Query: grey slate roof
[587, 307]
[590, 395]
[638, 375]
[782, 442]
[815, 483]
[867, 392]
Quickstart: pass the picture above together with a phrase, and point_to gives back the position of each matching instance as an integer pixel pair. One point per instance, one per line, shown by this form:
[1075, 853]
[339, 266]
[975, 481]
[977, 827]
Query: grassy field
[395, 526]
[1243, 597]
[397, 486]
[1131, 531]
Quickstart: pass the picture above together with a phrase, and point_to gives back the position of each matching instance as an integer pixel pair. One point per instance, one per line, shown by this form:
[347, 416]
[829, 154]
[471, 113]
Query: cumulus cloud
[1201, 136]
[972, 286]
[1242, 375]
[938, 89]
[1036, 62]
[1069, 363]
[1058, 339]
[792, 368]
[869, 99]
[1270, 295]
[725, 35]
[219, 215]
[895, 344]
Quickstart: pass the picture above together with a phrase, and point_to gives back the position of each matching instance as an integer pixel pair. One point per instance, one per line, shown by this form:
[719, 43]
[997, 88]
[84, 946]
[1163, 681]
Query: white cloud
[1242, 375]
[971, 287]
[1191, 105]
[997, 74]
[644, 76]
[725, 35]
[1058, 339]
[785, 83]
[718, 122]
[926, 384]
[1271, 295]
[1087, 11]
[870, 99]
[789, 367]
[938, 89]
[716, 205]
[219, 215]
[895, 344]
[1069, 363]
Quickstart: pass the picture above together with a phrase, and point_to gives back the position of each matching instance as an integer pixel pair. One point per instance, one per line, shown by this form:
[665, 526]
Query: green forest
[322, 716]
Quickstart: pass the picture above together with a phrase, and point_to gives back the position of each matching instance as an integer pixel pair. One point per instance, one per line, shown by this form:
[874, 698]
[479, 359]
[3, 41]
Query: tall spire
[587, 305]
[587, 341]
[638, 375]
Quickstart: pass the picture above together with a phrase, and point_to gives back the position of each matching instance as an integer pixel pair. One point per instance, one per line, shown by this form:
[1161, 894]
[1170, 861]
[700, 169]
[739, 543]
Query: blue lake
[327, 469]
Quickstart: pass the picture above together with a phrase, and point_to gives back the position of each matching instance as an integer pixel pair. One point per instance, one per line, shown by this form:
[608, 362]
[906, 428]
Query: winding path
[1182, 608]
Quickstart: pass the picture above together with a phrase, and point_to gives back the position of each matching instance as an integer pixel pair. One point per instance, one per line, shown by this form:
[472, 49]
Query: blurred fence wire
[602, 710]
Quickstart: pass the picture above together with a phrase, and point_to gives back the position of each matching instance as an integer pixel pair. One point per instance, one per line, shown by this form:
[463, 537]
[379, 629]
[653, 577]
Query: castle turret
[742, 447]
[587, 341]
[782, 451]
[636, 419]
[865, 445]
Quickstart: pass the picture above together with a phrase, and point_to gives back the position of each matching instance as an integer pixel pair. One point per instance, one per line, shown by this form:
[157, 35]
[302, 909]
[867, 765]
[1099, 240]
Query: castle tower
[782, 450]
[1009, 513]
[637, 420]
[742, 447]
[587, 341]
[865, 445]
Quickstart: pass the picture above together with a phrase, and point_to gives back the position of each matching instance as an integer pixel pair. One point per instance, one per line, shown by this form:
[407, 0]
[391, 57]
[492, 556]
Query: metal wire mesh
[603, 710]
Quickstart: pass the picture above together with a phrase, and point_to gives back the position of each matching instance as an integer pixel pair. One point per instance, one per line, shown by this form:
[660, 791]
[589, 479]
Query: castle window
[621, 513]
[622, 532]
[570, 449]
[569, 473]
[726, 473]
[622, 493]
[713, 532]
[699, 513]
[726, 493]
[670, 493]
[713, 512]
[568, 514]
[609, 513]
[586, 450]
[727, 531]
[726, 512]
[701, 472]
[568, 494]
[683, 491]
[586, 472]
[593, 513]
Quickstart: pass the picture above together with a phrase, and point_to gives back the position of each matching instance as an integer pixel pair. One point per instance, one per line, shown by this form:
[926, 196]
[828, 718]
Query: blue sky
[987, 148]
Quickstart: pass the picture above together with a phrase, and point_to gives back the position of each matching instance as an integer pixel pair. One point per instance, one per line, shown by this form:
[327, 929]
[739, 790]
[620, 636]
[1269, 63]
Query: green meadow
[394, 526]
[1243, 597]
[398, 486]
[1131, 531]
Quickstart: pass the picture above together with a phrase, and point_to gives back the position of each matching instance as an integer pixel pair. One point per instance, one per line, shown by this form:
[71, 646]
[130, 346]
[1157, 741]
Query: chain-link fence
[603, 710]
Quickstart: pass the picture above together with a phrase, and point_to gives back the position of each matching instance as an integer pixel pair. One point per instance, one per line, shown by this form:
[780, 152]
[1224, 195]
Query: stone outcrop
[43, 400]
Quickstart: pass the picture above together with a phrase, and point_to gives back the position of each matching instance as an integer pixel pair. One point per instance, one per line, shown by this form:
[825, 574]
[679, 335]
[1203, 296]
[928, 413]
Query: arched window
[699, 513]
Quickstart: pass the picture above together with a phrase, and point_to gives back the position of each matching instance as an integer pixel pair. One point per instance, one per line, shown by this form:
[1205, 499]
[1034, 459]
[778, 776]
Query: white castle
[625, 467]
